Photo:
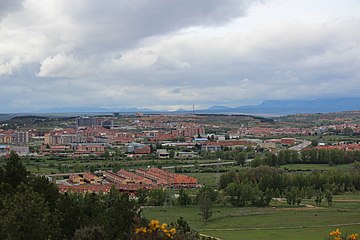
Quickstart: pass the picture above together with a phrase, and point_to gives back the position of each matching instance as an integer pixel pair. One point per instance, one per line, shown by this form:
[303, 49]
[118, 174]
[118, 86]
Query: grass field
[48, 165]
[209, 179]
[280, 222]
[320, 233]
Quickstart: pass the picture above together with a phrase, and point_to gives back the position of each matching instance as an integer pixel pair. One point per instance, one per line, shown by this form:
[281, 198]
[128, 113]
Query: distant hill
[285, 107]
[266, 108]
[218, 108]
[4, 117]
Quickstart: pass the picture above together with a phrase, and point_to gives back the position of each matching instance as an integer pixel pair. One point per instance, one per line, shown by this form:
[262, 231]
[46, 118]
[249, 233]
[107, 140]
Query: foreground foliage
[336, 235]
[32, 208]
[154, 231]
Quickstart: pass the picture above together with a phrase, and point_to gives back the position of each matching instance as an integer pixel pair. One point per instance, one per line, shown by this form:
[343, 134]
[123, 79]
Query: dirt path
[307, 206]
[346, 200]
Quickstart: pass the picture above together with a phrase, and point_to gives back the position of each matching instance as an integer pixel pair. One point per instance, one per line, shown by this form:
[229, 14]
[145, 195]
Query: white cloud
[63, 66]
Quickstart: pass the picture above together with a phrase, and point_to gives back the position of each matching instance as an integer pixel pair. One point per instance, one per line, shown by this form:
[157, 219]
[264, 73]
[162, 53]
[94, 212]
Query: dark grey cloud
[8, 6]
[120, 24]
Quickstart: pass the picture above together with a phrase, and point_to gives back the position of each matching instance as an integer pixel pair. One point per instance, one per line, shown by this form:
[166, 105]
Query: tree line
[310, 155]
[257, 186]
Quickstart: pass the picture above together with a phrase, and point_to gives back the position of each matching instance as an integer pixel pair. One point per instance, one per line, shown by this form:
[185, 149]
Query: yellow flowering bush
[336, 235]
[154, 231]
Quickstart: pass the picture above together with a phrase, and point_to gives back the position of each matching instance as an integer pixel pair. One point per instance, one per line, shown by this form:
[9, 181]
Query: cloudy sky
[170, 54]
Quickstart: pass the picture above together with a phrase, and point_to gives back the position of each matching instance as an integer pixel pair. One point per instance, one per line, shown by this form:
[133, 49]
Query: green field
[47, 165]
[209, 179]
[276, 222]
[296, 234]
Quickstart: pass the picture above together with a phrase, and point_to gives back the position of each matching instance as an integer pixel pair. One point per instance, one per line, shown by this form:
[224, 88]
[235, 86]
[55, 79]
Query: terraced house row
[126, 181]
[153, 177]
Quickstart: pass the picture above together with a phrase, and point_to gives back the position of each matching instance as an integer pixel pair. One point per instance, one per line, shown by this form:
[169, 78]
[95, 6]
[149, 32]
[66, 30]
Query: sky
[171, 54]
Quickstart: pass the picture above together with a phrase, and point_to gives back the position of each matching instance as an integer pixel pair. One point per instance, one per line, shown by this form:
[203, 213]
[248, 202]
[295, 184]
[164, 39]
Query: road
[301, 146]
[64, 174]
[200, 165]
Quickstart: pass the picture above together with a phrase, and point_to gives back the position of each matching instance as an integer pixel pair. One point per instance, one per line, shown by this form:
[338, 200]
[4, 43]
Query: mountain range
[286, 107]
[269, 107]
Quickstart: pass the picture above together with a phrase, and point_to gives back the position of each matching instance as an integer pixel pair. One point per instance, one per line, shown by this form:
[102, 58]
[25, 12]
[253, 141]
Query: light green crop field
[47, 165]
[42, 170]
[209, 179]
[276, 222]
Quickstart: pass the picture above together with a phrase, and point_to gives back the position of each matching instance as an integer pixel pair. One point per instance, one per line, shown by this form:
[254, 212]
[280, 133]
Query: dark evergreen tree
[14, 172]
[25, 216]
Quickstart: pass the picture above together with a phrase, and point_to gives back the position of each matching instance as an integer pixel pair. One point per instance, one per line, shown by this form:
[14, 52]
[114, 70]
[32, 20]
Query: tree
[227, 178]
[257, 161]
[183, 230]
[15, 173]
[309, 192]
[181, 224]
[106, 155]
[1, 175]
[240, 158]
[240, 193]
[92, 209]
[142, 195]
[25, 216]
[293, 196]
[268, 196]
[157, 197]
[184, 198]
[205, 204]
[120, 216]
[319, 197]
[89, 233]
[329, 197]
[314, 142]
[270, 159]
[212, 193]
[71, 213]
[46, 189]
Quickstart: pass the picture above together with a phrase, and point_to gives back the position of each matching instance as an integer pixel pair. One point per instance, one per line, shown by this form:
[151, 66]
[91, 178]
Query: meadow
[279, 221]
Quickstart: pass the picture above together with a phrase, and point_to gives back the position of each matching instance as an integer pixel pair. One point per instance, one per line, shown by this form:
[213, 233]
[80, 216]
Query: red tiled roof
[85, 188]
